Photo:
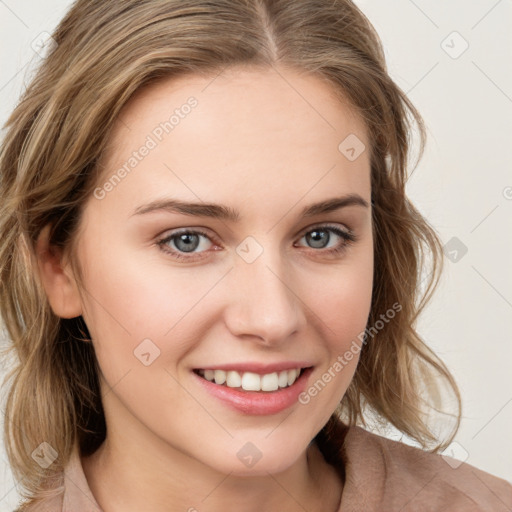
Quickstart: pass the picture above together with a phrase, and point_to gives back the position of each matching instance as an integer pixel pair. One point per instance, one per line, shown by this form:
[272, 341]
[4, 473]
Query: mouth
[255, 389]
[251, 381]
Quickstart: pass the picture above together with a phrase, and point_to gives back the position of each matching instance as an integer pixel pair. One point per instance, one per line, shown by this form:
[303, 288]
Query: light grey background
[463, 186]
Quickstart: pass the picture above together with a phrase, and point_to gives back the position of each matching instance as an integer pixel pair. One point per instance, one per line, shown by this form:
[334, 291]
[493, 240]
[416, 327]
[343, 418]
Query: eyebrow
[218, 211]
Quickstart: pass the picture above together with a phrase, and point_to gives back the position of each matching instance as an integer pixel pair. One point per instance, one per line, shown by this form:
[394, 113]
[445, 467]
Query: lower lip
[258, 402]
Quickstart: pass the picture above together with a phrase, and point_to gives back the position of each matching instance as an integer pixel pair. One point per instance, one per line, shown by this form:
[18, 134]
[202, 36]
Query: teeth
[282, 380]
[269, 382]
[220, 376]
[250, 381]
[233, 380]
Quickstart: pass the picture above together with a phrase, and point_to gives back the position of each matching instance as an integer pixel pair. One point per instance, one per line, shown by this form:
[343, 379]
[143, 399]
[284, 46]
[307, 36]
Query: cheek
[143, 323]
[345, 307]
[141, 295]
[137, 307]
[342, 309]
[344, 299]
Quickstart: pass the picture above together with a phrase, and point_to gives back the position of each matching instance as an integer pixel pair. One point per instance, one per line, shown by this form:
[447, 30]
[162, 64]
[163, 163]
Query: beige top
[381, 476]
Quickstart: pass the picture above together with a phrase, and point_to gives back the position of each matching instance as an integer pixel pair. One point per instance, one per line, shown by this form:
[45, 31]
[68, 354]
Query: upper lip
[258, 367]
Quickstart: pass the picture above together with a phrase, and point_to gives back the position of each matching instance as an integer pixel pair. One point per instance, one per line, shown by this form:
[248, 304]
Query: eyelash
[348, 239]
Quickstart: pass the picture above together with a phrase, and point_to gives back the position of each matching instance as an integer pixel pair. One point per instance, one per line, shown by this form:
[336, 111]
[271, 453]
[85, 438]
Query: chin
[259, 458]
[272, 465]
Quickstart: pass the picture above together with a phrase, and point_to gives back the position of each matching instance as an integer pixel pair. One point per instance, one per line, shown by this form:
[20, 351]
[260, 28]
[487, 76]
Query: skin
[266, 144]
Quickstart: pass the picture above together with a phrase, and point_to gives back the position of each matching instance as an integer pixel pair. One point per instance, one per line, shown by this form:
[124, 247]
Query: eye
[190, 244]
[321, 236]
[185, 242]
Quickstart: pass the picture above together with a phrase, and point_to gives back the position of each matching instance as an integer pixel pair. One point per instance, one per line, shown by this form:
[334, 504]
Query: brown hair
[107, 50]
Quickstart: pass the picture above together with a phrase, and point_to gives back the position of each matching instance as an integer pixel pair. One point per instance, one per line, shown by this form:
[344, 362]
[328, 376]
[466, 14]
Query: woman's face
[252, 283]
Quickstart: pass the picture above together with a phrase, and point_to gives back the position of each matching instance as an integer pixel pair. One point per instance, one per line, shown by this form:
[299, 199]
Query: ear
[57, 278]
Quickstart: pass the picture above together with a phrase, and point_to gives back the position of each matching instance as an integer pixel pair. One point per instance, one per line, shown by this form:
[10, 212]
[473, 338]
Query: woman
[210, 269]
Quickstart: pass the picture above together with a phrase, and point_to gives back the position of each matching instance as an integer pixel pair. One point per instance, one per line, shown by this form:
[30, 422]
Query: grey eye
[186, 242]
[318, 238]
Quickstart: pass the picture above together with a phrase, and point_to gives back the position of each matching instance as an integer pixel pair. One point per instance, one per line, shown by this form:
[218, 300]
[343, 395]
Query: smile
[248, 392]
[250, 381]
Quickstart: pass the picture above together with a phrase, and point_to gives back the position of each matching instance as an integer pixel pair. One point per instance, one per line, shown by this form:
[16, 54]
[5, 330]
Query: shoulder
[406, 478]
[71, 495]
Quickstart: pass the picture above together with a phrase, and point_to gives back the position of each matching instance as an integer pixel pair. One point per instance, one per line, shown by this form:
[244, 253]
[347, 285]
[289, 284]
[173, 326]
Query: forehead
[238, 134]
[240, 101]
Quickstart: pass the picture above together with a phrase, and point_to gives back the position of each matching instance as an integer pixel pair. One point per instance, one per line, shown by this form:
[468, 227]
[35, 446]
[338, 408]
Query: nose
[264, 302]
